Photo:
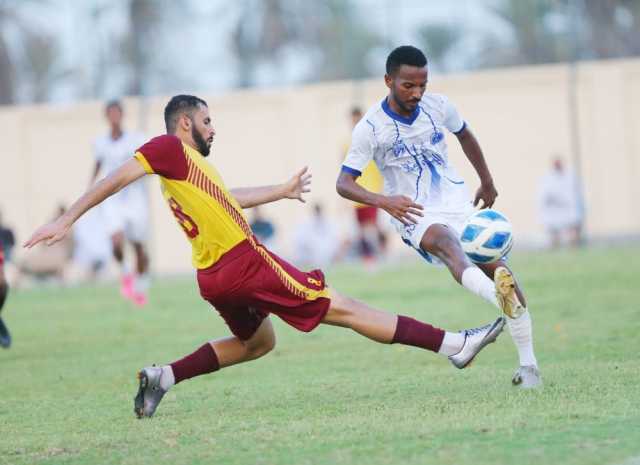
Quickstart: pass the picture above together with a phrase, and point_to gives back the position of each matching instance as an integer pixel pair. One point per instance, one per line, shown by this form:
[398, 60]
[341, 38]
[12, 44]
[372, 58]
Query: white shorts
[453, 218]
[127, 214]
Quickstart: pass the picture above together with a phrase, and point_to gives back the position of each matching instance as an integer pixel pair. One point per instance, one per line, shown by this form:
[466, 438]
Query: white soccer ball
[486, 236]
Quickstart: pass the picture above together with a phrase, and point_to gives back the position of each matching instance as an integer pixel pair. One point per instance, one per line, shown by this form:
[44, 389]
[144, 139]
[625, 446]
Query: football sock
[202, 361]
[521, 333]
[415, 333]
[452, 343]
[477, 282]
[142, 283]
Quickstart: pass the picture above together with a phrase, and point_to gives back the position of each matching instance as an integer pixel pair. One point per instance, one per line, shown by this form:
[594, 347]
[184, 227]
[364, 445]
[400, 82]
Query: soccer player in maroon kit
[243, 280]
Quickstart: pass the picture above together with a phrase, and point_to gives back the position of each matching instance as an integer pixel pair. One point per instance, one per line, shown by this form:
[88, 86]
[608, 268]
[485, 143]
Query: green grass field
[332, 397]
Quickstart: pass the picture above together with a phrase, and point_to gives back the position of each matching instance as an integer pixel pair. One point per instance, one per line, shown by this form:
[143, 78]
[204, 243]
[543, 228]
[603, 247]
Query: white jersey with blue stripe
[411, 152]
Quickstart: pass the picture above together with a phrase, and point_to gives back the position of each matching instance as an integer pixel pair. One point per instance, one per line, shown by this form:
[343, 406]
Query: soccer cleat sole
[506, 291]
[138, 402]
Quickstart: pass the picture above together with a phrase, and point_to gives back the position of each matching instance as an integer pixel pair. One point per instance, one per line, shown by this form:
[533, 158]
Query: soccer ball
[486, 236]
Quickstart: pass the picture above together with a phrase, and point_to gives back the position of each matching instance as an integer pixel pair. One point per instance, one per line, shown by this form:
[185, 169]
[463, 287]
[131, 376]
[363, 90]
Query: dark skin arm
[471, 148]
[400, 207]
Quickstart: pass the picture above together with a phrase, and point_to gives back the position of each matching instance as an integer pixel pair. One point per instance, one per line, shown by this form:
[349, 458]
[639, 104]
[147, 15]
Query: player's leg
[257, 339]
[442, 242]
[520, 327]
[5, 336]
[388, 328]
[142, 279]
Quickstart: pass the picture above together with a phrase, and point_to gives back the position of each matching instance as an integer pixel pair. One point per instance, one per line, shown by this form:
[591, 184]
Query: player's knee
[263, 347]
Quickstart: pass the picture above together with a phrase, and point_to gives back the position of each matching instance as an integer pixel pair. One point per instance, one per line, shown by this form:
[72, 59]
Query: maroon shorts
[1, 255]
[249, 282]
[366, 215]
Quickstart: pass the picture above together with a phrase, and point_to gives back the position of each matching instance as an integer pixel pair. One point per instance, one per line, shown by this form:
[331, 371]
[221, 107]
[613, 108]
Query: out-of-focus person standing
[371, 239]
[126, 213]
[7, 239]
[316, 241]
[561, 205]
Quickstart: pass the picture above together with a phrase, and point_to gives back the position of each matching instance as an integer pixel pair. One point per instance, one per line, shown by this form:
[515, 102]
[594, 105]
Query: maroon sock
[202, 361]
[415, 333]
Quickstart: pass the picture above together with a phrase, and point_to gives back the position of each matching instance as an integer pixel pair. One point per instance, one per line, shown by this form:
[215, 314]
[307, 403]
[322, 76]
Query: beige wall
[519, 115]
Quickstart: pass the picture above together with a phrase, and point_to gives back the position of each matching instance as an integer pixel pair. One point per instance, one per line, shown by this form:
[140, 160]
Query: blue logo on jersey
[397, 147]
[436, 138]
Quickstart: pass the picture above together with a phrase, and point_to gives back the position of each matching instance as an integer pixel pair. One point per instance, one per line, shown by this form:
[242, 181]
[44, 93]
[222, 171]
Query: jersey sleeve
[362, 149]
[98, 151]
[452, 119]
[164, 155]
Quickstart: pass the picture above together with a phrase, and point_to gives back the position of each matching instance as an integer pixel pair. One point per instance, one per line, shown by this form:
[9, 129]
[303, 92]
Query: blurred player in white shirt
[560, 205]
[427, 199]
[125, 213]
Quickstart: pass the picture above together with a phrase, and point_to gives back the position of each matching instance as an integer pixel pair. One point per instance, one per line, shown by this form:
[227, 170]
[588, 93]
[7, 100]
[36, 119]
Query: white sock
[142, 283]
[167, 379]
[452, 343]
[477, 282]
[521, 333]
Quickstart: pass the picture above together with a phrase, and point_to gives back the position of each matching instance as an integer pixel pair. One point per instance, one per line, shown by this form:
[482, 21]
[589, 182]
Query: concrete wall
[520, 117]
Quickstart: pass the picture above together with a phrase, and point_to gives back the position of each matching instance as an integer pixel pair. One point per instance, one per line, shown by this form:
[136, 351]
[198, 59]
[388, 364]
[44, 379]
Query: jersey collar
[402, 119]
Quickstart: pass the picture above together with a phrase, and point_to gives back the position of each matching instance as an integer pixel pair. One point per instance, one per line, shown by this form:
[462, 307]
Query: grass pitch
[332, 397]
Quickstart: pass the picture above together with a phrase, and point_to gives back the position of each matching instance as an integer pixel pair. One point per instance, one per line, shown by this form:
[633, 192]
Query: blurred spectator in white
[7, 239]
[262, 228]
[316, 242]
[92, 244]
[561, 206]
[46, 262]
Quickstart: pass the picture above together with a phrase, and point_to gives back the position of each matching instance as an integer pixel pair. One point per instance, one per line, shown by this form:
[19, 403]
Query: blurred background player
[429, 202]
[125, 213]
[5, 336]
[316, 240]
[560, 204]
[371, 239]
[262, 227]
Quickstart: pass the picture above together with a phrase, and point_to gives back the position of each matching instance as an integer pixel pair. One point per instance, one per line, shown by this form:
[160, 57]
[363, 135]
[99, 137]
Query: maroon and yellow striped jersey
[208, 214]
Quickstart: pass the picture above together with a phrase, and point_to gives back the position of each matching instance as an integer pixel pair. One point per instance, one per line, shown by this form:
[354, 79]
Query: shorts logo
[315, 282]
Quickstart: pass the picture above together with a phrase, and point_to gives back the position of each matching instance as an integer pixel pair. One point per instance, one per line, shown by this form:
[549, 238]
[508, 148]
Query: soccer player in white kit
[427, 199]
[126, 212]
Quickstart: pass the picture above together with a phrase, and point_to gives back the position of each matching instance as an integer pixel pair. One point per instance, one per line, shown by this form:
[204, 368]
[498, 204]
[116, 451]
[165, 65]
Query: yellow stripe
[200, 180]
[143, 161]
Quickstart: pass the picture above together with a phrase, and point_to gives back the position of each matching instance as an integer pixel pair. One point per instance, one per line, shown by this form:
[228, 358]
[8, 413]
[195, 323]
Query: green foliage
[331, 396]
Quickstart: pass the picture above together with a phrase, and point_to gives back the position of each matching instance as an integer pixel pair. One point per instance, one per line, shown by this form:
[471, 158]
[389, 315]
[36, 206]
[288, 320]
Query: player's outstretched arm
[299, 184]
[400, 207]
[471, 148]
[120, 178]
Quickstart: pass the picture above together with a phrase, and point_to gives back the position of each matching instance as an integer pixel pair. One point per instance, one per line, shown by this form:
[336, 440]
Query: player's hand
[299, 184]
[50, 233]
[487, 193]
[402, 208]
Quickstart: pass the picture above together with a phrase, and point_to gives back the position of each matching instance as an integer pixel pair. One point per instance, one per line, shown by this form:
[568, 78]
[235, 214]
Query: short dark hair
[177, 105]
[114, 103]
[405, 55]
[356, 111]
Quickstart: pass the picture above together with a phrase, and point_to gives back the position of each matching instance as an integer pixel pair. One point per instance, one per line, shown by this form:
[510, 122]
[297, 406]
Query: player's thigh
[442, 241]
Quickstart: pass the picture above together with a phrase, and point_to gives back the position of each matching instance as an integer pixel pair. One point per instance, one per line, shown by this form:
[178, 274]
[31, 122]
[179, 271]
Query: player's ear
[184, 122]
[388, 81]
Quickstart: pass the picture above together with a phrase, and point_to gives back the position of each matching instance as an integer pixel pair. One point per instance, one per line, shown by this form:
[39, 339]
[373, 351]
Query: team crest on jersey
[398, 147]
[436, 137]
